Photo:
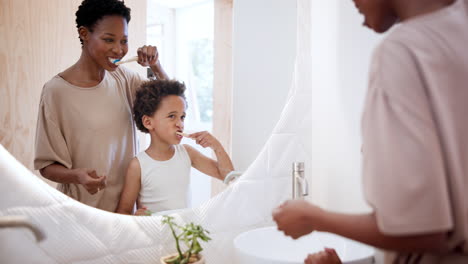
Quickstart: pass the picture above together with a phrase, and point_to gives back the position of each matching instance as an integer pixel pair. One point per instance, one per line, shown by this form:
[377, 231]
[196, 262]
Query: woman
[415, 138]
[85, 135]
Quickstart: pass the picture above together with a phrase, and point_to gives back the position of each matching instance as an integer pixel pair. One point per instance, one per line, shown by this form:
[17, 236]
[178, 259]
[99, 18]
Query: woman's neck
[84, 73]
[89, 68]
[410, 9]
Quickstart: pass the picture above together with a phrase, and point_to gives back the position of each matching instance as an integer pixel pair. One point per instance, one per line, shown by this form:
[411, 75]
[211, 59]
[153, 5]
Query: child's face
[379, 14]
[169, 119]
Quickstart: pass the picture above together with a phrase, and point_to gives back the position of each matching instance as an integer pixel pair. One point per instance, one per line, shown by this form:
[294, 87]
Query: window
[183, 32]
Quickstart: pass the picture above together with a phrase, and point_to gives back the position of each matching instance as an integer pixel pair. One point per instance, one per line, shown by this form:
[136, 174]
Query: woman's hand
[328, 256]
[90, 180]
[205, 139]
[297, 218]
[148, 56]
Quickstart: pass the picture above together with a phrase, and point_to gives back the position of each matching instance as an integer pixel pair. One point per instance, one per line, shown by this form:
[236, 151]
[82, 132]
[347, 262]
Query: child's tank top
[165, 185]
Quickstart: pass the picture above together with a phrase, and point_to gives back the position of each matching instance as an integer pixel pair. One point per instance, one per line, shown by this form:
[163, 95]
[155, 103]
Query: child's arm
[218, 168]
[131, 188]
[298, 218]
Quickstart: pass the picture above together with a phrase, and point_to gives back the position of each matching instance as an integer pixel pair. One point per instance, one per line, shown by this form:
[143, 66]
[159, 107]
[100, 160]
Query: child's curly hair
[91, 11]
[149, 96]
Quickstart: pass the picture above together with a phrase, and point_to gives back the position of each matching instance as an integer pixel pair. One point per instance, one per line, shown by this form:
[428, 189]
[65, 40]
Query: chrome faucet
[21, 221]
[300, 186]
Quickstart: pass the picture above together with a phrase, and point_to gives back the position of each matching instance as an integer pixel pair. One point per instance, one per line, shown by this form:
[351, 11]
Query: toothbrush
[182, 134]
[119, 61]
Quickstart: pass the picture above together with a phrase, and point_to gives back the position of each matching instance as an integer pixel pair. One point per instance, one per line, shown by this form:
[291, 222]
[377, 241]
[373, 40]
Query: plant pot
[201, 259]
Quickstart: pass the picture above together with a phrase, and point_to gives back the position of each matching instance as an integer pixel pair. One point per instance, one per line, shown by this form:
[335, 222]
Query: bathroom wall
[39, 39]
[355, 45]
[263, 49]
[264, 46]
[341, 53]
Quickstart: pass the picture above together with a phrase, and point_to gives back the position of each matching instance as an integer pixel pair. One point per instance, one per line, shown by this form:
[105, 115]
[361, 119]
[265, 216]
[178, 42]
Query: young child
[159, 177]
[415, 138]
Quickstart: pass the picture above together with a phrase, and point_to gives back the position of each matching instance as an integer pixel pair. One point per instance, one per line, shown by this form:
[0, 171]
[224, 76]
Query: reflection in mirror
[183, 32]
[159, 176]
[79, 233]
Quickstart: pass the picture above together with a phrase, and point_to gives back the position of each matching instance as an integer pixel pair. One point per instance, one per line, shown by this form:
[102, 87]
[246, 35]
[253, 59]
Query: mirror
[91, 233]
[248, 133]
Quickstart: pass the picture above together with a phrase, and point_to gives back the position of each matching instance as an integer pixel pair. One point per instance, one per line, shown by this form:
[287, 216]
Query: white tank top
[165, 185]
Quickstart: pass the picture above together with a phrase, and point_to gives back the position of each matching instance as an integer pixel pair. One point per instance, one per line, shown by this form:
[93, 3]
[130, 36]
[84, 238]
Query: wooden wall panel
[38, 40]
[137, 30]
[222, 83]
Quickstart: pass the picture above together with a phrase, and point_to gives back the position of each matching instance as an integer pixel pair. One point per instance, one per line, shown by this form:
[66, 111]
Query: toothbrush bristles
[120, 61]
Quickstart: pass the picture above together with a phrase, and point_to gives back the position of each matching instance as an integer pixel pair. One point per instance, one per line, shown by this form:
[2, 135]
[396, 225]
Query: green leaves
[148, 212]
[167, 219]
[190, 235]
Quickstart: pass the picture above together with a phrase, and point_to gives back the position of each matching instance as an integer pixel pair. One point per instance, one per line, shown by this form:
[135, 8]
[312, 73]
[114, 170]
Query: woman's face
[107, 41]
[379, 14]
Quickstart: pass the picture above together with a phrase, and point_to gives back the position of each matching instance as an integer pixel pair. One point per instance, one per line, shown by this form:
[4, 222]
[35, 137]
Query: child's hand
[205, 139]
[297, 218]
[143, 211]
[328, 256]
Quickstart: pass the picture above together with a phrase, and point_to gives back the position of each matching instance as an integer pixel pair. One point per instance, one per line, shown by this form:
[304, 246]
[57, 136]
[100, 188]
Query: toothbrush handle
[127, 60]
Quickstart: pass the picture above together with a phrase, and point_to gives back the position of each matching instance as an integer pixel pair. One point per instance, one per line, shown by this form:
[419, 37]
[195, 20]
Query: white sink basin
[270, 246]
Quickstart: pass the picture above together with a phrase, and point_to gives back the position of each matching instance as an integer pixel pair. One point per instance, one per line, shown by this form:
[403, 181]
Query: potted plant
[190, 235]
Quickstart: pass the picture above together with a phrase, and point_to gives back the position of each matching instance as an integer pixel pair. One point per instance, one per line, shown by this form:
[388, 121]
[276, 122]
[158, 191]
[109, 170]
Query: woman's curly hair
[149, 96]
[91, 11]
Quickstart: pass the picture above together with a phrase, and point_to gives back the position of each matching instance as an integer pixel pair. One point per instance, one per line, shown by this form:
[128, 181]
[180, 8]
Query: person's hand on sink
[327, 256]
[297, 218]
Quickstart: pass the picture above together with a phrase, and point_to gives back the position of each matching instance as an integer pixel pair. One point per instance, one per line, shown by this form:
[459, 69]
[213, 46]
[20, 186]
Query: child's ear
[146, 120]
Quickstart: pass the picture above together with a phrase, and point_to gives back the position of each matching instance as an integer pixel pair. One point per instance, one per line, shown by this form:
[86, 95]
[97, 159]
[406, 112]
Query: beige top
[415, 131]
[89, 128]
